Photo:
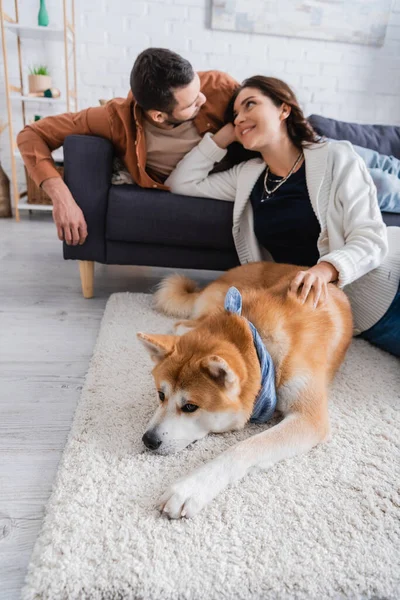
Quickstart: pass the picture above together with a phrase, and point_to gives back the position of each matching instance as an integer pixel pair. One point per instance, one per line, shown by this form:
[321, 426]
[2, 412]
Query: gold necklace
[281, 181]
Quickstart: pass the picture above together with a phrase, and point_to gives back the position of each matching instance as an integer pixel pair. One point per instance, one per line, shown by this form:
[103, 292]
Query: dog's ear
[158, 346]
[222, 374]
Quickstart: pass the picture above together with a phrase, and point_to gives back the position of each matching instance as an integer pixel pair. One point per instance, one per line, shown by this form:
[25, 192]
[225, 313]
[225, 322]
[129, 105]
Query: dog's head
[198, 379]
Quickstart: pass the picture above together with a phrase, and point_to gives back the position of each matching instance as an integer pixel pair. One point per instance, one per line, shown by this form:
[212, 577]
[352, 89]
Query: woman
[307, 202]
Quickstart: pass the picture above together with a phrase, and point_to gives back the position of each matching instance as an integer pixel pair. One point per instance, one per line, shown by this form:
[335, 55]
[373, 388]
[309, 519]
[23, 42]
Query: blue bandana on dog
[265, 404]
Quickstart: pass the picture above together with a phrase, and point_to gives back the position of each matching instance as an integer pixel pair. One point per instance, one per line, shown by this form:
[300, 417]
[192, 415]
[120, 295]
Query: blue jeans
[385, 172]
[386, 332]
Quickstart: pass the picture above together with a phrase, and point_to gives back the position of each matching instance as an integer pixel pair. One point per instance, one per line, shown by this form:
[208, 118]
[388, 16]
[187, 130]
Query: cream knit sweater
[353, 237]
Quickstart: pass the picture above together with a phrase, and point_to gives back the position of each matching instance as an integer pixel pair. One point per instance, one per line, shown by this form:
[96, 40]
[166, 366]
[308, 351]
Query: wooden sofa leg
[86, 269]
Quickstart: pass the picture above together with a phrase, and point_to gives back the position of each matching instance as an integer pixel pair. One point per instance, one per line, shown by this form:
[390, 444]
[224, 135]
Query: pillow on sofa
[385, 139]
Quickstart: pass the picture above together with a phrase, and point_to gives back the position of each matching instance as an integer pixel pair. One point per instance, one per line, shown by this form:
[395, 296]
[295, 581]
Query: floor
[47, 334]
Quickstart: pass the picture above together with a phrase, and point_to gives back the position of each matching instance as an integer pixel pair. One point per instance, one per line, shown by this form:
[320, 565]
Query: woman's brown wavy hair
[299, 129]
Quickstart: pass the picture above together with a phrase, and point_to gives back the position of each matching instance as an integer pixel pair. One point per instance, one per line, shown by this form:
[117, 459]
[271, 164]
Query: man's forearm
[36, 155]
[38, 140]
[57, 190]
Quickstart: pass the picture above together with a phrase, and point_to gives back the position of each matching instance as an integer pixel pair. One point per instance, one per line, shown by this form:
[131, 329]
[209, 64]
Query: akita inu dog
[217, 376]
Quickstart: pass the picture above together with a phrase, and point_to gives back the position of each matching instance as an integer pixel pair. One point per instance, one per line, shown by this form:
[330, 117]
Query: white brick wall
[344, 81]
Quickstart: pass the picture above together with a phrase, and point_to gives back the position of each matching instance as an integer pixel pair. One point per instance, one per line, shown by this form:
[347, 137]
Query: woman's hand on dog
[315, 279]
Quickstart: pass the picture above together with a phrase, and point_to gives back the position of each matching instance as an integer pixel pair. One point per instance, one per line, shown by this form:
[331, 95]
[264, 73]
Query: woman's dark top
[285, 223]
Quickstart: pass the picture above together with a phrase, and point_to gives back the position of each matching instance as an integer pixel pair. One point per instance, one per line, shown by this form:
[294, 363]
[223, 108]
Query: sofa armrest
[87, 172]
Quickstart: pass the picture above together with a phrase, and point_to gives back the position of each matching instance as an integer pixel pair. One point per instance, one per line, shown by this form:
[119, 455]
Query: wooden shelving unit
[65, 34]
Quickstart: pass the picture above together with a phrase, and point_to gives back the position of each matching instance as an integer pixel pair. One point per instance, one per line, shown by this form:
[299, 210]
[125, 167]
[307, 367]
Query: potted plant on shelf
[39, 79]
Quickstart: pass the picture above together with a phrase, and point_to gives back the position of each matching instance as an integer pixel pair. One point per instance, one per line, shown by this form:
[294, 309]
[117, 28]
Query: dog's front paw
[185, 498]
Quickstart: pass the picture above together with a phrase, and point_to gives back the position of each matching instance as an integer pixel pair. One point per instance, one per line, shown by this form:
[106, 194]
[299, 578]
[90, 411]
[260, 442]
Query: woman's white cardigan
[353, 237]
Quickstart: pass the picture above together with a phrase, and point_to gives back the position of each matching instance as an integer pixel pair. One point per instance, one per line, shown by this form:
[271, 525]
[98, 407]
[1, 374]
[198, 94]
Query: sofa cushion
[158, 217]
[385, 139]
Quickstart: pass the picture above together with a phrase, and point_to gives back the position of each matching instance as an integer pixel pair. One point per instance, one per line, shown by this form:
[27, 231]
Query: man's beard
[175, 122]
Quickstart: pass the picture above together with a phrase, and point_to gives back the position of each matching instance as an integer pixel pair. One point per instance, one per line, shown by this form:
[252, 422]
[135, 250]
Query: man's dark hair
[155, 75]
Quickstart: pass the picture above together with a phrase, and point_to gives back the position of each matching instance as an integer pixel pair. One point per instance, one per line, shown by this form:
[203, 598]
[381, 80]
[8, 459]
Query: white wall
[344, 81]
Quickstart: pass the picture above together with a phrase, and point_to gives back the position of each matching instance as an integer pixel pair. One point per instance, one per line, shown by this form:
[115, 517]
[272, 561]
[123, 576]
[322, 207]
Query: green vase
[43, 16]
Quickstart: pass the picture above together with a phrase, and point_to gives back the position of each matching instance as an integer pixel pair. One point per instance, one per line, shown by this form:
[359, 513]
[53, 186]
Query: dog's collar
[265, 404]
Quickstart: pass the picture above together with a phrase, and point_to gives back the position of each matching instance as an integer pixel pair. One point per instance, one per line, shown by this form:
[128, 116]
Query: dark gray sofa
[129, 225]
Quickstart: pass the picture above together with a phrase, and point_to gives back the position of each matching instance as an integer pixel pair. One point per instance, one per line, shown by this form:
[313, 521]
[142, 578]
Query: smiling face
[198, 392]
[258, 121]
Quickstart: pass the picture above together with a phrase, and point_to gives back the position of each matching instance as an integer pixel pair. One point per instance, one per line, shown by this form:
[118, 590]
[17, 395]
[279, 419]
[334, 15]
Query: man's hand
[68, 217]
[315, 279]
[225, 136]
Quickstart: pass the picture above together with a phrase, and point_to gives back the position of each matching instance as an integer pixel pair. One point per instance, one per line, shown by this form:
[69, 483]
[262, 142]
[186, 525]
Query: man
[168, 110]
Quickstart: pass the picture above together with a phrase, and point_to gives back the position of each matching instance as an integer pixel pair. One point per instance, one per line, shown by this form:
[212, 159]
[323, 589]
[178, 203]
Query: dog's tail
[176, 296]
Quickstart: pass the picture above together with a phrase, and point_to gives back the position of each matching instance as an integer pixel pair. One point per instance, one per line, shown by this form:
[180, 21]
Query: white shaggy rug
[324, 525]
